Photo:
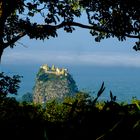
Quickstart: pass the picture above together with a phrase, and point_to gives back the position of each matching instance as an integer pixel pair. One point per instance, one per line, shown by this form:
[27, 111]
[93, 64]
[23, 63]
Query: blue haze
[122, 81]
[89, 62]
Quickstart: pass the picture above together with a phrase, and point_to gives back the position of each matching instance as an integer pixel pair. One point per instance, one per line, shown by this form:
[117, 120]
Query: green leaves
[113, 98]
[101, 90]
[8, 85]
[136, 102]
[137, 46]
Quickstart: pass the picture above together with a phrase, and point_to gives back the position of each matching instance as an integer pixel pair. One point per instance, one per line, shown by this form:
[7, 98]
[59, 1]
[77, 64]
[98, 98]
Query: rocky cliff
[53, 83]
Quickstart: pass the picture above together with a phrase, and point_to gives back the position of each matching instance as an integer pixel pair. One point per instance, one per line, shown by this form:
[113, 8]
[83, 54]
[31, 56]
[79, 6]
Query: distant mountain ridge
[53, 83]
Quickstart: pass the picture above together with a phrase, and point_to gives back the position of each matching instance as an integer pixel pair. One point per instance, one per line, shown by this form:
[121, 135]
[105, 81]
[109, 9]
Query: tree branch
[63, 24]
[78, 25]
[110, 130]
[22, 34]
[99, 29]
[133, 36]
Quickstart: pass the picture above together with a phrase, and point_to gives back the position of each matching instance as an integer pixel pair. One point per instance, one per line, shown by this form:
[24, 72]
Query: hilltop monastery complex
[54, 70]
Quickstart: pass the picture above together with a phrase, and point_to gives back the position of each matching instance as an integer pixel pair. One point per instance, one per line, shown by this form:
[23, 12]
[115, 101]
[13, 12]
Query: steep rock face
[53, 83]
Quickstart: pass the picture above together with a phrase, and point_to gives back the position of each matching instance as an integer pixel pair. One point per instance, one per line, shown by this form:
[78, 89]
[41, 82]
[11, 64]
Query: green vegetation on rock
[53, 83]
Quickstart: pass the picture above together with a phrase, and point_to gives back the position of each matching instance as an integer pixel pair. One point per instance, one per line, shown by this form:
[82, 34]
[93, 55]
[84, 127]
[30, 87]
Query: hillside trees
[41, 19]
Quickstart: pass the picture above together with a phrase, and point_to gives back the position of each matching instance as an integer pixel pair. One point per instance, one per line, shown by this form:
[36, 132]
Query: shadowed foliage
[77, 117]
[8, 85]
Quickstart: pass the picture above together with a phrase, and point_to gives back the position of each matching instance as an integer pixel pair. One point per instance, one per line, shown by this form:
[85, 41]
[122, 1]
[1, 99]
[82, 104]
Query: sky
[78, 48]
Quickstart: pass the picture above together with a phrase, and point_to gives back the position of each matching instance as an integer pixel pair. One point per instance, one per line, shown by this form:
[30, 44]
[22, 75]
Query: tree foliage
[27, 97]
[8, 85]
[41, 19]
[78, 117]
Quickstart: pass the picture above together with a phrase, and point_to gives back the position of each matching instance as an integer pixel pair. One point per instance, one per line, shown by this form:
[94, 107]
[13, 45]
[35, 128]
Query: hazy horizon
[122, 81]
[107, 60]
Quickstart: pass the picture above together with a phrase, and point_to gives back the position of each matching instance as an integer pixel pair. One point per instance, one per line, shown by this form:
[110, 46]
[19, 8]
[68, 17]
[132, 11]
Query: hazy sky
[76, 48]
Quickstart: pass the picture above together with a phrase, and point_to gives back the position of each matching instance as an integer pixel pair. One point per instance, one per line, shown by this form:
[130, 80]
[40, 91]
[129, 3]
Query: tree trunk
[1, 52]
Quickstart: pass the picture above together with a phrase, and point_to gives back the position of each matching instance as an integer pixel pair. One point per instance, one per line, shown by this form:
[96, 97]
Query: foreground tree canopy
[41, 19]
